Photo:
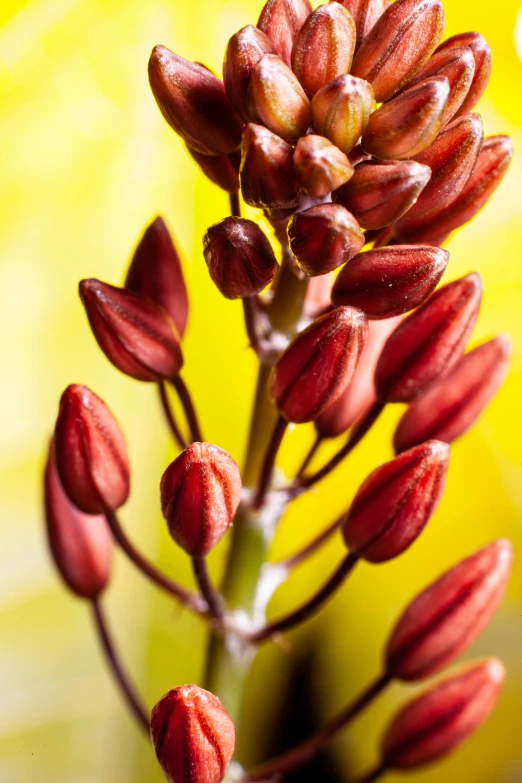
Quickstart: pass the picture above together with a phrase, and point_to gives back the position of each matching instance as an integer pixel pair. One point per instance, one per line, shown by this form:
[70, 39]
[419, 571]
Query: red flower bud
[267, 170]
[192, 735]
[390, 281]
[450, 406]
[482, 56]
[341, 110]
[365, 14]
[155, 272]
[429, 342]
[435, 723]
[243, 52]
[320, 166]
[81, 544]
[401, 41]
[194, 103]
[324, 237]
[447, 617]
[138, 336]
[318, 364]
[222, 170]
[199, 496]
[281, 20]
[239, 257]
[407, 125]
[378, 194]
[323, 49]
[396, 502]
[91, 455]
[277, 100]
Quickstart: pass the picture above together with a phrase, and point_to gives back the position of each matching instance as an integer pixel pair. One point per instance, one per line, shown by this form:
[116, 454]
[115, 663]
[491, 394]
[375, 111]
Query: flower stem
[267, 468]
[188, 406]
[235, 204]
[169, 415]
[311, 454]
[373, 774]
[290, 562]
[209, 593]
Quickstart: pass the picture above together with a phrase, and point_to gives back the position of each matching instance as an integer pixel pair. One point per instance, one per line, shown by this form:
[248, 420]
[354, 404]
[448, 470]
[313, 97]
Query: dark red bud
[378, 194]
[267, 170]
[281, 20]
[365, 14]
[396, 502]
[81, 544]
[137, 335]
[429, 342]
[482, 56]
[323, 49]
[222, 170]
[437, 722]
[239, 257]
[155, 272]
[320, 166]
[91, 455]
[193, 736]
[318, 364]
[200, 493]
[450, 406]
[341, 110]
[194, 103]
[390, 281]
[401, 41]
[243, 52]
[407, 125]
[447, 617]
[323, 238]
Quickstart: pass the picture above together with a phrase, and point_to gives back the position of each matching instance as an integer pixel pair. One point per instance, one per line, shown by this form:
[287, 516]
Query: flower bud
[323, 49]
[450, 406]
[239, 257]
[267, 170]
[435, 723]
[194, 103]
[341, 110]
[193, 736]
[243, 52]
[365, 14]
[408, 124]
[378, 194]
[277, 100]
[318, 364]
[320, 166]
[447, 617]
[81, 544]
[396, 502]
[91, 456]
[137, 335]
[199, 496]
[429, 342]
[155, 272]
[482, 56]
[390, 281]
[222, 170]
[404, 37]
[281, 20]
[323, 238]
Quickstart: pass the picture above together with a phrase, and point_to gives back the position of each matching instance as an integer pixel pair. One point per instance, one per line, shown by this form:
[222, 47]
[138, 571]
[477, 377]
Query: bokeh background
[86, 162]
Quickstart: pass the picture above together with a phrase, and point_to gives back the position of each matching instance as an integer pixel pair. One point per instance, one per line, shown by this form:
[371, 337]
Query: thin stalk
[309, 457]
[289, 563]
[267, 468]
[134, 702]
[373, 774]
[209, 593]
[188, 406]
[249, 310]
[235, 204]
[169, 415]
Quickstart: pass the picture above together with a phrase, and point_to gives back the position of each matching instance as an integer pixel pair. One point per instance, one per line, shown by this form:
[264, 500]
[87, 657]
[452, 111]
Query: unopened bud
[378, 194]
[239, 257]
[137, 335]
[401, 41]
[320, 166]
[281, 20]
[155, 272]
[390, 281]
[429, 342]
[323, 238]
[193, 736]
[407, 125]
[91, 455]
[277, 100]
[267, 170]
[194, 103]
[341, 110]
[318, 364]
[323, 49]
[447, 617]
[243, 52]
[365, 14]
[482, 56]
[222, 170]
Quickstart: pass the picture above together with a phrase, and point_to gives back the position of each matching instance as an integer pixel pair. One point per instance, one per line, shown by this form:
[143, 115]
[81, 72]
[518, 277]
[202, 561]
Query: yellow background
[86, 162]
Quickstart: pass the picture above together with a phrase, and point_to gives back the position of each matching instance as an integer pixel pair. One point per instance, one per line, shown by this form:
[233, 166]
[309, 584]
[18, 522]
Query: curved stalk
[209, 593]
[188, 406]
[169, 415]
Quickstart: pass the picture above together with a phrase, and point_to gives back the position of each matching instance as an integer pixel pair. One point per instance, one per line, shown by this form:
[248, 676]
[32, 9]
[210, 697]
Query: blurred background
[86, 162]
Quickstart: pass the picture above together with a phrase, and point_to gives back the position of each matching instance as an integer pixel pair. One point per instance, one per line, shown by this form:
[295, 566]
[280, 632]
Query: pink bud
[320, 166]
[482, 56]
[222, 170]
[91, 455]
[243, 52]
[323, 238]
[267, 170]
[317, 299]
[341, 110]
[365, 14]
[281, 20]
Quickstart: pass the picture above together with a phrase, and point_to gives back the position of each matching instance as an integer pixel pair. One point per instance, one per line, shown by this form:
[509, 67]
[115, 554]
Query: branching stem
[169, 415]
[188, 406]
[290, 562]
[267, 467]
[209, 593]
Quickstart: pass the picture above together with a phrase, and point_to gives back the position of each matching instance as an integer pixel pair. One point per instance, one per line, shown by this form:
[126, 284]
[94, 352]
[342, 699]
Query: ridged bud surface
[281, 20]
[341, 110]
[482, 56]
[323, 238]
[365, 13]
[222, 170]
[267, 170]
[320, 166]
[243, 52]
